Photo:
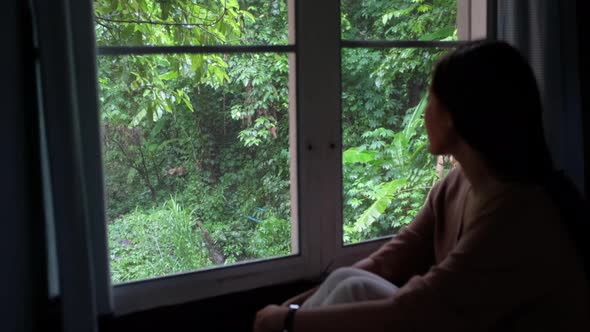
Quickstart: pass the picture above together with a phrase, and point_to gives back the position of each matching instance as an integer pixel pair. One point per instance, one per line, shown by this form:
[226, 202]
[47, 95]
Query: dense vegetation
[196, 147]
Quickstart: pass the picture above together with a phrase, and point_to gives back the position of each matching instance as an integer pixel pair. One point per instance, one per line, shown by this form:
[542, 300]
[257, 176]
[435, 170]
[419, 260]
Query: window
[196, 134]
[244, 145]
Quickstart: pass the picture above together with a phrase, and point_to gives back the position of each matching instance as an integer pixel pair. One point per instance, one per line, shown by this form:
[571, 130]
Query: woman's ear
[450, 123]
[448, 119]
[448, 136]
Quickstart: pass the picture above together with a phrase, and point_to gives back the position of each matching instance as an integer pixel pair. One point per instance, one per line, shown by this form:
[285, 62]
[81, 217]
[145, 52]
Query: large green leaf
[416, 119]
[440, 34]
[169, 75]
[357, 155]
[384, 195]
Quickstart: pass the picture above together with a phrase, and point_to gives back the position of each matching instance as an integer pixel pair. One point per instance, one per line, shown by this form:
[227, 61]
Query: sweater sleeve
[490, 274]
[411, 251]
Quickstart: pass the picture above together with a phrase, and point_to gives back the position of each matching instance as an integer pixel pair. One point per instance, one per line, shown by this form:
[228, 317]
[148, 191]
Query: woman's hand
[270, 319]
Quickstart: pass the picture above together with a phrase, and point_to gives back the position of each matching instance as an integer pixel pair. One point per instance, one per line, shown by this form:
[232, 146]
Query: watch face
[294, 306]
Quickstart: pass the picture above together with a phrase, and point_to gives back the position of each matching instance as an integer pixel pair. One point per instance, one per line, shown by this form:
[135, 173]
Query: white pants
[349, 284]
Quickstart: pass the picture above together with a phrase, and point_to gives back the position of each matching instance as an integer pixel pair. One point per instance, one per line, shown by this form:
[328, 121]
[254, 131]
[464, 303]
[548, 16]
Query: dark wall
[583, 58]
[23, 307]
[233, 312]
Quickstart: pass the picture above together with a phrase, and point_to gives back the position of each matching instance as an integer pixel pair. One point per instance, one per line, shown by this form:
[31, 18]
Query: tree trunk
[146, 175]
[150, 186]
[215, 255]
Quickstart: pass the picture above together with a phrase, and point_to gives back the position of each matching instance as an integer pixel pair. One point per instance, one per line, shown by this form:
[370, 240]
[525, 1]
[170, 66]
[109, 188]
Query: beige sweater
[509, 266]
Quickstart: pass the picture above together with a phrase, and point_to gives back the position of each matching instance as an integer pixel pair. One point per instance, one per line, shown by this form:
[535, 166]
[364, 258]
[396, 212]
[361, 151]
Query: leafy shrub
[272, 237]
[160, 241]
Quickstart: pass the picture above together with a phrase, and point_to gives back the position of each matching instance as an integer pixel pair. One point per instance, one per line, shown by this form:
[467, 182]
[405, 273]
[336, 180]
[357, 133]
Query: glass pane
[399, 20]
[387, 170]
[190, 22]
[196, 161]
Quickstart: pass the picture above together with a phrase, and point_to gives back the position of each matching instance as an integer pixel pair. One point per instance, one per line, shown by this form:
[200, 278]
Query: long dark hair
[492, 95]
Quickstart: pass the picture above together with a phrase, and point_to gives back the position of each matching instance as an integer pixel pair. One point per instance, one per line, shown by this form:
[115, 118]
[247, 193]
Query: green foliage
[398, 19]
[212, 130]
[387, 178]
[272, 238]
[387, 170]
[144, 244]
[170, 22]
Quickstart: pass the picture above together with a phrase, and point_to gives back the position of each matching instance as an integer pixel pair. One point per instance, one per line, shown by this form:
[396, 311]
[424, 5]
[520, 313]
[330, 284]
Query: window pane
[387, 170]
[399, 20]
[190, 22]
[196, 161]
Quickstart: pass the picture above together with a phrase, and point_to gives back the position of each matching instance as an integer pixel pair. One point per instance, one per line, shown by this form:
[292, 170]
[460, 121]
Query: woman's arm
[488, 275]
[407, 254]
[411, 251]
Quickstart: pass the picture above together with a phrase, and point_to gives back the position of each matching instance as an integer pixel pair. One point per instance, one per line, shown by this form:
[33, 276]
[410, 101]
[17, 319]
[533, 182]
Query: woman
[499, 244]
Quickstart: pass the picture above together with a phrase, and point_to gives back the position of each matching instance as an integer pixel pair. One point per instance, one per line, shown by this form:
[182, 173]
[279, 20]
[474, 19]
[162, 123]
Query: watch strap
[288, 325]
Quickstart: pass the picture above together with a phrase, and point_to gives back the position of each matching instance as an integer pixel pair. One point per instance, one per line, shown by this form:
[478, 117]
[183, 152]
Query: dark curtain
[545, 31]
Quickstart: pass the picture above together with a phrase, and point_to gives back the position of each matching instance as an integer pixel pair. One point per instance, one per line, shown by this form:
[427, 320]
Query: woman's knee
[342, 273]
[356, 286]
[361, 288]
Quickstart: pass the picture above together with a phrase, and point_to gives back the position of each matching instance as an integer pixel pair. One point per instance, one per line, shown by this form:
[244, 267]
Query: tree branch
[139, 21]
[130, 160]
[183, 25]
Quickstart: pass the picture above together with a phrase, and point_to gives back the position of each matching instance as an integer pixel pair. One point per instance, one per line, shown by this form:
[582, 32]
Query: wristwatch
[288, 326]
